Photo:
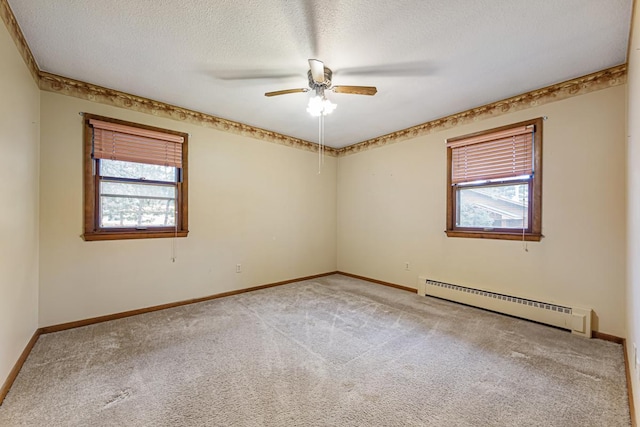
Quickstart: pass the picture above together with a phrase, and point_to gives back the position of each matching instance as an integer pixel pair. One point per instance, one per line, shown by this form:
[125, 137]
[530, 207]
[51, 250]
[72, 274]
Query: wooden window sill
[122, 235]
[499, 235]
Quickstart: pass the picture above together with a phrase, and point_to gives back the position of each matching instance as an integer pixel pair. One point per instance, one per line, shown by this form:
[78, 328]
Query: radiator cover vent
[537, 304]
[575, 319]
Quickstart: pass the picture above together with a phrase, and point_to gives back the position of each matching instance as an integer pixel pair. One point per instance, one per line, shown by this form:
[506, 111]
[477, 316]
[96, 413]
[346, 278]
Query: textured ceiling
[428, 58]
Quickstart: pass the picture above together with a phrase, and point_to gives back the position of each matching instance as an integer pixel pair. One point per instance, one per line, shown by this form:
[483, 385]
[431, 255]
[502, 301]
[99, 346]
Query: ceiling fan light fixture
[320, 106]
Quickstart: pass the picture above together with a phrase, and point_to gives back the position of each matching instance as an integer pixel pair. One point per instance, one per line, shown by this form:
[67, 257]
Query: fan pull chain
[323, 146]
[320, 142]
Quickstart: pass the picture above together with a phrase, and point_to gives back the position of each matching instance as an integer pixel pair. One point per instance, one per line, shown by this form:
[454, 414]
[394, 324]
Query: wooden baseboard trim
[379, 282]
[115, 316]
[594, 334]
[607, 337]
[627, 370]
[70, 325]
[632, 412]
[76, 324]
[16, 368]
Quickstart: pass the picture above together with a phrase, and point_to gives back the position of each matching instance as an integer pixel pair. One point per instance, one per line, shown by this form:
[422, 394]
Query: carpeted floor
[333, 351]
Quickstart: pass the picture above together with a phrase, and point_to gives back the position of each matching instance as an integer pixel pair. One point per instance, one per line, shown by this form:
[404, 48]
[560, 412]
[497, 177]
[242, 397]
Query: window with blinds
[494, 183]
[127, 143]
[135, 180]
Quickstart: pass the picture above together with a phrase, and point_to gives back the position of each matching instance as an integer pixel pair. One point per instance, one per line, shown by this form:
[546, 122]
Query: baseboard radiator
[575, 319]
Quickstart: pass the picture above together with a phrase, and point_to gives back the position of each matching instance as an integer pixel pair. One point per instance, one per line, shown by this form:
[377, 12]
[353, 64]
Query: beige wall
[633, 210]
[265, 206]
[391, 210]
[253, 203]
[19, 117]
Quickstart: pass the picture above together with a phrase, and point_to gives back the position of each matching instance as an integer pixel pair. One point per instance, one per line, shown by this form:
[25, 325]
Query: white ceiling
[428, 58]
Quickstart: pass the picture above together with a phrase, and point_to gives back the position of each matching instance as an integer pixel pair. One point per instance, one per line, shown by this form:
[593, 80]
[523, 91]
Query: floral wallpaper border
[53, 83]
[10, 22]
[600, 80]
[88, 91]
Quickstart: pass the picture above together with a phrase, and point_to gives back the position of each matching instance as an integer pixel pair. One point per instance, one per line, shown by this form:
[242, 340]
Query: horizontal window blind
[119, 142]
[503, 154]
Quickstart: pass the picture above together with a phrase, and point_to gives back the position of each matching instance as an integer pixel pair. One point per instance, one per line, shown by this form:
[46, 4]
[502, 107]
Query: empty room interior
[320, 213]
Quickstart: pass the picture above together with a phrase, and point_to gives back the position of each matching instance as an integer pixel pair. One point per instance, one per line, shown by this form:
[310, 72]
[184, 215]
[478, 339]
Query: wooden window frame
[91, 181]
[534, 232]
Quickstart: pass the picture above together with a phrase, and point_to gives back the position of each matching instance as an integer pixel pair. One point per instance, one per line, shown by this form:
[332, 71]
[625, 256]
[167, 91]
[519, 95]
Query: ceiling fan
[319, 106]
[320, 80]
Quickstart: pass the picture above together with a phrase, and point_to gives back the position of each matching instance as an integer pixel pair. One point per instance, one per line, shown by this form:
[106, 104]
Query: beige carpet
[333, 351]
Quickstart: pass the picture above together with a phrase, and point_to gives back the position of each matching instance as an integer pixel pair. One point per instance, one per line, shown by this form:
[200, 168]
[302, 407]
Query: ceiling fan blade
[402, 69]
[317, 70]
[286, 91]
[253, 74]
[356, 90]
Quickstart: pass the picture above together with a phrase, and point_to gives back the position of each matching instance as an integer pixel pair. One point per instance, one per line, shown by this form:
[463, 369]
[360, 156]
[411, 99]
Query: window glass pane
[498, 206]
[142, 190]
[121, 169]
[137, 205]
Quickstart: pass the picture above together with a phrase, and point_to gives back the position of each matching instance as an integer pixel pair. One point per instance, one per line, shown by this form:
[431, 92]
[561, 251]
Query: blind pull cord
[524, 208]
[173, 245]
[174, 241]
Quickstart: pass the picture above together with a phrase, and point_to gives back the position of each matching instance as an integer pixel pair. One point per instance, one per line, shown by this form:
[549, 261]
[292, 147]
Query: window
[135, 180]
[494, 183]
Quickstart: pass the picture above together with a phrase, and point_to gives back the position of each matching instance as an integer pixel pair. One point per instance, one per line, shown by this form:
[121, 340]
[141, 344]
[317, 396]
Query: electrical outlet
[238, 268]
[406, 265]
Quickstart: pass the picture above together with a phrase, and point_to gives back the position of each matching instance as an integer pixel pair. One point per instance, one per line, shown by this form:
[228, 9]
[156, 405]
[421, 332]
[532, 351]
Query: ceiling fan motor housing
[322, 82]
[325, 84]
